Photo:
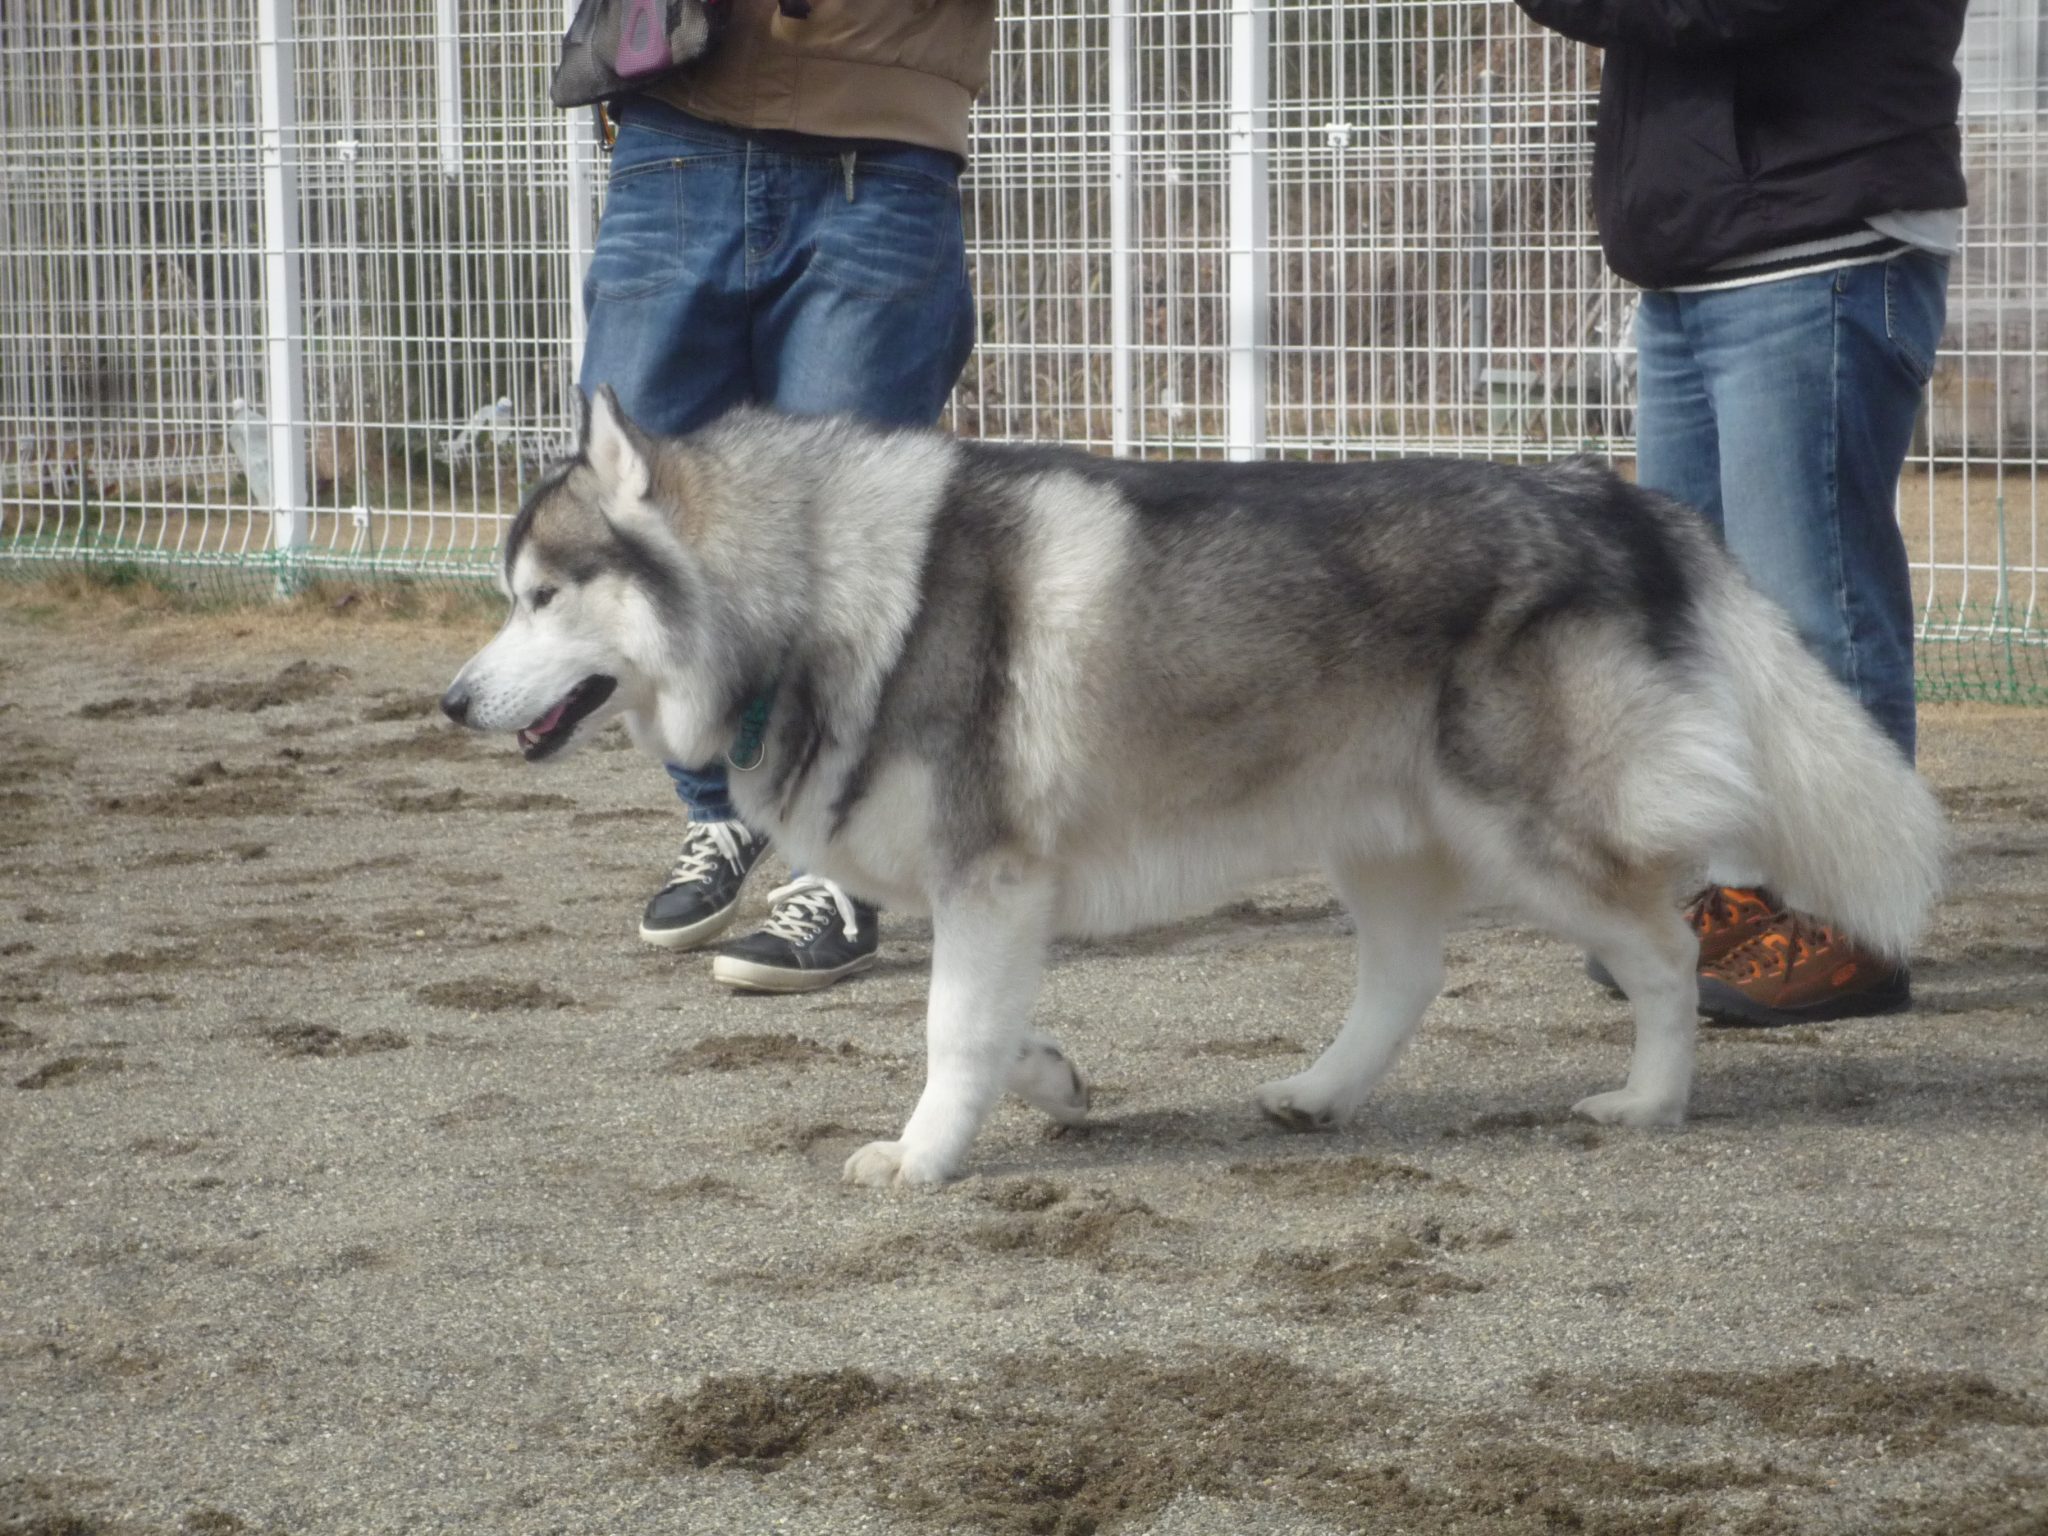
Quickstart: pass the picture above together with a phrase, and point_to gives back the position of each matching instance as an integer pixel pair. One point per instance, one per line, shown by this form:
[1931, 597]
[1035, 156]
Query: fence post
[1480, 256]
[285, 342]
[448, 87]
[1120, 149]
[579, 144]
[1249, 254]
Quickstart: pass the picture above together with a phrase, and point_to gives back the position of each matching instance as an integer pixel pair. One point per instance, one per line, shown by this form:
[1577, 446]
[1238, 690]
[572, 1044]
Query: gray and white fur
[1038, 693]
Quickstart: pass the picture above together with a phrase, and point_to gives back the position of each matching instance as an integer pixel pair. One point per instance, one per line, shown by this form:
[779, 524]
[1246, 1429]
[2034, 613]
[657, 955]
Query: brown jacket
[905, 70]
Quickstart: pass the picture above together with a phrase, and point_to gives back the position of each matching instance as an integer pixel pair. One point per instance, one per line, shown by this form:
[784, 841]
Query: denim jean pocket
[1915, 309]
[637, 237]
[647, 240]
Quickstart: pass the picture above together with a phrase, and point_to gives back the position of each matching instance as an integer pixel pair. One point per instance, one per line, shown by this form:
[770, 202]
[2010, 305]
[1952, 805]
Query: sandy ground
[362, 1172]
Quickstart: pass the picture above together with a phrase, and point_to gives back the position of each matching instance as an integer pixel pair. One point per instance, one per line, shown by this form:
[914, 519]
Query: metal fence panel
[290, 287]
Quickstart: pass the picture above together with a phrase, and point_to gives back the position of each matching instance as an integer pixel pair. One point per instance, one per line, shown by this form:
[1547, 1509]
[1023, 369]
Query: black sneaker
[816, 935]
[703, 890]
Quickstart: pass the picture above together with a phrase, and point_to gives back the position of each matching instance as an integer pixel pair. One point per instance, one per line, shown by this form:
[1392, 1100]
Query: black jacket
[1729, 127]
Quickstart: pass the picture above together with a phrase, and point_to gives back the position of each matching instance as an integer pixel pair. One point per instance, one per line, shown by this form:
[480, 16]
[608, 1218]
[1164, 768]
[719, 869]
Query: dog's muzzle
[552, 729]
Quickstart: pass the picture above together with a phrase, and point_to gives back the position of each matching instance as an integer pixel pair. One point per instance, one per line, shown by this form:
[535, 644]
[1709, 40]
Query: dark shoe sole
[1733, 1009]
[752, 976]
[692, 935]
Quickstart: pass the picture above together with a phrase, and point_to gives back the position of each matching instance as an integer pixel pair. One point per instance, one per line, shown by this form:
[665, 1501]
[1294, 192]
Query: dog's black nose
[455, 704]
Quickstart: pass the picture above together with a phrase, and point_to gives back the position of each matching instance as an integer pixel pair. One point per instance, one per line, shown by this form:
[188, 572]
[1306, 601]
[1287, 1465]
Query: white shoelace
[805, 905]
[706, 841]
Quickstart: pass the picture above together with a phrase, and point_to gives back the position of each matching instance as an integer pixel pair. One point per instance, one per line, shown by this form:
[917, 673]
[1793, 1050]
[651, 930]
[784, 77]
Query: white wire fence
[290, 289]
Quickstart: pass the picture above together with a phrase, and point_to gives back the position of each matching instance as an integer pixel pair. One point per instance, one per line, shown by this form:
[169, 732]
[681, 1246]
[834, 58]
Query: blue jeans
[815, 275]
[1783, 411]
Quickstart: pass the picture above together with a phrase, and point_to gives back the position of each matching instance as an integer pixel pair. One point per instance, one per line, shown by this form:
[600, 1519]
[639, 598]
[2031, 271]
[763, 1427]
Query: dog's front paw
[1298, 1105]
[885, 1164]
[1629, 1106]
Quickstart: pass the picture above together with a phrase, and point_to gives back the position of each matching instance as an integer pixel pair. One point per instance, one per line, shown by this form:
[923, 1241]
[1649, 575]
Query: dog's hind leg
[988, 951]
[1044, 1077]
[1653, 956]
[1401, 908]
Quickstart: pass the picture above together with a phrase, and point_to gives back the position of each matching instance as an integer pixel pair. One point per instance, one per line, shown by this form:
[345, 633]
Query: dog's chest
[868, 827]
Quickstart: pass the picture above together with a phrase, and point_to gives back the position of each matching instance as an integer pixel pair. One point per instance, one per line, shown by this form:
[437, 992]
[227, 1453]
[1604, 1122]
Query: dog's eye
[542, 596]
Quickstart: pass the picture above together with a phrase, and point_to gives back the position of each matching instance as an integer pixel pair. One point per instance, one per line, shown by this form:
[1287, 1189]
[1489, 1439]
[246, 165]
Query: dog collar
[746, 752]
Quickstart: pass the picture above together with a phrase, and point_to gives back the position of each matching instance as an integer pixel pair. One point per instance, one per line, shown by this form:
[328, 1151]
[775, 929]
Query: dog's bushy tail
[1843, 827]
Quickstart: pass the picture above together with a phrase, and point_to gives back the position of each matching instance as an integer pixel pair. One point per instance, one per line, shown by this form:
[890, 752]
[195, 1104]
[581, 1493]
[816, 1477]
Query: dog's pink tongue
[548, 721]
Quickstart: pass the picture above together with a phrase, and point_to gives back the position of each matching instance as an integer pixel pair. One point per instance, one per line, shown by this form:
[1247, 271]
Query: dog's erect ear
[619, 451]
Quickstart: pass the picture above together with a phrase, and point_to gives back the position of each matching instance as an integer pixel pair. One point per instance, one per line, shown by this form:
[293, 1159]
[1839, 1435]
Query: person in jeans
[1783, 178]
[782, 226]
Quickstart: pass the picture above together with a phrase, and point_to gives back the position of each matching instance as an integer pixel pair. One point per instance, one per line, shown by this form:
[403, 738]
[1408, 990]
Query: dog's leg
[1653, 956]
[988, 951]
[1401, 909]
[1044, 1077]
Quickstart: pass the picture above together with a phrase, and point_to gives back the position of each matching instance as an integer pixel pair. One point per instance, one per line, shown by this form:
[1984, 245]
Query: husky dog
[1035, 692]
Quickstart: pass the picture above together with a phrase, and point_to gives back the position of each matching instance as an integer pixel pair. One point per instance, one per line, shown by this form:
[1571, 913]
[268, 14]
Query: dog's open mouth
[548, 733]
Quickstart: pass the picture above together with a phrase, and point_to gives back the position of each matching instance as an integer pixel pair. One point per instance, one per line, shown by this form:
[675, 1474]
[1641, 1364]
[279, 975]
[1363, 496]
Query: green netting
[1984, 652]
[239, 573]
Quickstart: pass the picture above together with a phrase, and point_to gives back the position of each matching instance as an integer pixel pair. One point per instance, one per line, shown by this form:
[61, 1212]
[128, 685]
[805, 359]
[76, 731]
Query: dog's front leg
[988, 951]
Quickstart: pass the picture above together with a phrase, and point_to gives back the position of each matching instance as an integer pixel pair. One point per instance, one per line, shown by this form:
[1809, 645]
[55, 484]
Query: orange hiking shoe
[1797, 971]
[1726, 917]
[1723, 917]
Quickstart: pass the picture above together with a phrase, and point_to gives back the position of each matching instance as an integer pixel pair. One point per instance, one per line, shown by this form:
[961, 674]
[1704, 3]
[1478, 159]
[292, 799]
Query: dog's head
[596, 574]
